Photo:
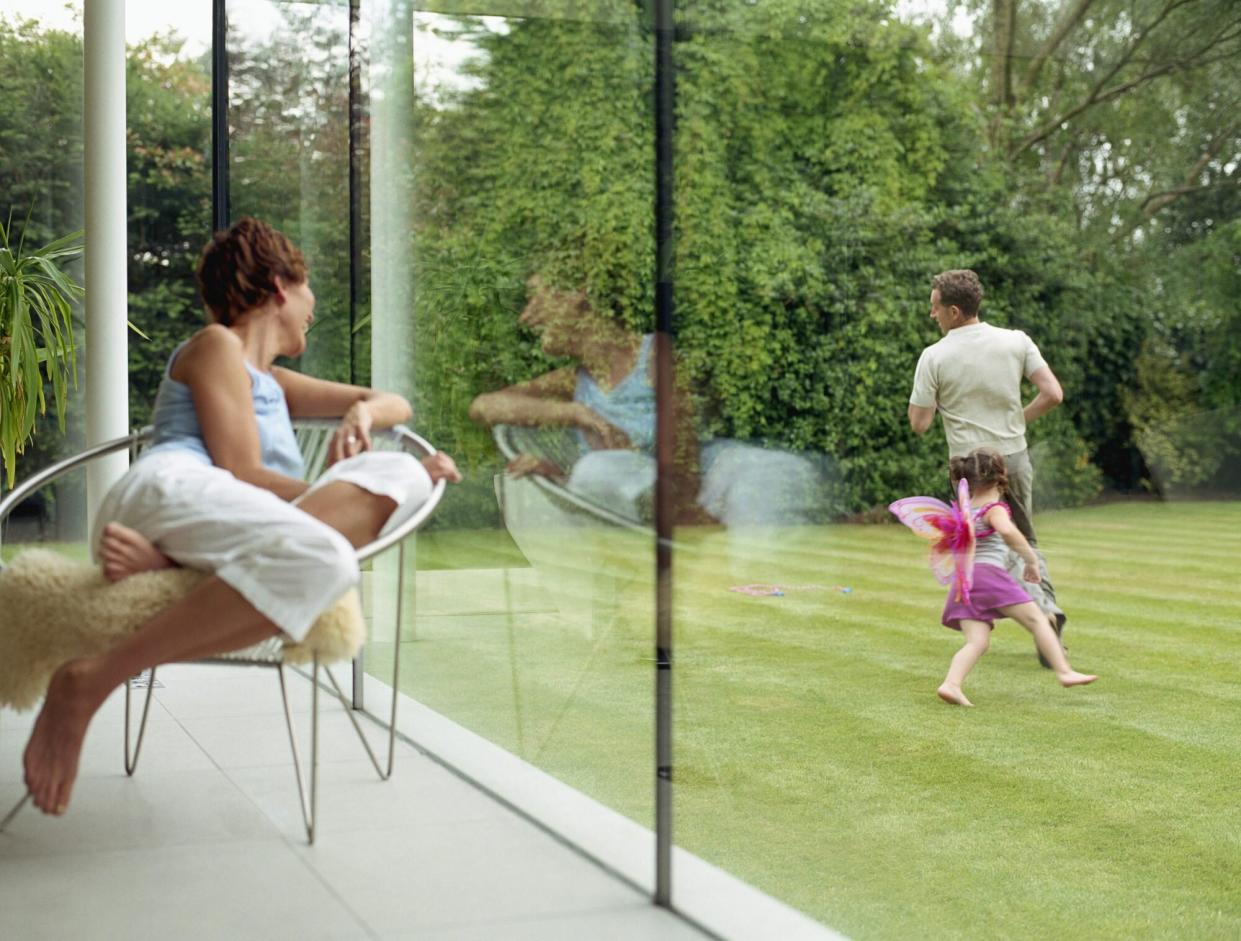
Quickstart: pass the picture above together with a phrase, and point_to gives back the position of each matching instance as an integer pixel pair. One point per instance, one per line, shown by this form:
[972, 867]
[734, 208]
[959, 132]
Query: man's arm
[926, 390]
[920, 417]
[1049, 393]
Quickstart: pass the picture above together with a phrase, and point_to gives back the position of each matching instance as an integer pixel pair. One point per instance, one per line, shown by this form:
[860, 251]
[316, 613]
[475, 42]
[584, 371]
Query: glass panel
[41, 183]
[168, 116]
[531, 246]
[831, 159]
[168, 112]
[289, 150]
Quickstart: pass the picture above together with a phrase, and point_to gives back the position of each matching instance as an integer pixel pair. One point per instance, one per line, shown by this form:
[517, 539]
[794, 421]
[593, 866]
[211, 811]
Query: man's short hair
[959, 288]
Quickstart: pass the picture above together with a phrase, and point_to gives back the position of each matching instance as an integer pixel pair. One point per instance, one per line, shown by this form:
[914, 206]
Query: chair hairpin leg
[308, 796]
[8, 818]
[131, 760]
[384, 775]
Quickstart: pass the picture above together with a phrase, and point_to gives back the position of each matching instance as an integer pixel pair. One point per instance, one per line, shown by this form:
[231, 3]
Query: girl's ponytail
[980, 468]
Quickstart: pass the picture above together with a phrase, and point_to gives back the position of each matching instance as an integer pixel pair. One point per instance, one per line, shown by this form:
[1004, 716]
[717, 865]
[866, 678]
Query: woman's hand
[441, 467]
[354, 434]
[601, 434]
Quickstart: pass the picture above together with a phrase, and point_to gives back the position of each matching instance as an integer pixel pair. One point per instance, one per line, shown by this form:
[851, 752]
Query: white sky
[438, 60]
[190, 18]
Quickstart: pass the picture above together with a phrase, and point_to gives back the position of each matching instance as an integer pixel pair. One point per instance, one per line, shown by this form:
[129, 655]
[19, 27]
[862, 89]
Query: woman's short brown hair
[238, 268]
[982, 467]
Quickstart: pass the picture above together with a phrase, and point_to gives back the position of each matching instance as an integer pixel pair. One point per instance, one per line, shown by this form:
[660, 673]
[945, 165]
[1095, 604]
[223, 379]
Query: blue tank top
[629, 405]
[176, 428]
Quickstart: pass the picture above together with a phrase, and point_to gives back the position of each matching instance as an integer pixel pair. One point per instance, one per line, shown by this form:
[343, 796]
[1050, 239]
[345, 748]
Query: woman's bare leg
[223, 621]
[1031, 617]
[977, 636]
[352, 511]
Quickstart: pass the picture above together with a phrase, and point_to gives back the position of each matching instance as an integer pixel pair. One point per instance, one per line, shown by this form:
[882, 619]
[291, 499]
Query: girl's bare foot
[1073, 678]
[953, 694]
[126, 552]
[51, 758]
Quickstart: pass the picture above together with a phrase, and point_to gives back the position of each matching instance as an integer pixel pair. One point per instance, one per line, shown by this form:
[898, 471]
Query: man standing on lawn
[972, 377]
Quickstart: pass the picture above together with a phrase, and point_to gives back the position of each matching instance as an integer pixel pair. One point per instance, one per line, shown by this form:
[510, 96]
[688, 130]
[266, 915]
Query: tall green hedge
[826, 167]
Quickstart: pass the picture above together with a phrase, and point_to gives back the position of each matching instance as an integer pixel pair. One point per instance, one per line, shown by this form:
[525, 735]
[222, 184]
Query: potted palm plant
[36, 337]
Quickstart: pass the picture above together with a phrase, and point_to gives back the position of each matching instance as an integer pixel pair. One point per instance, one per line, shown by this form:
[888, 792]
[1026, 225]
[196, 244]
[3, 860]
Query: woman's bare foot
[1073, 678]
[127, 552]
[953, 694]
[51, 759]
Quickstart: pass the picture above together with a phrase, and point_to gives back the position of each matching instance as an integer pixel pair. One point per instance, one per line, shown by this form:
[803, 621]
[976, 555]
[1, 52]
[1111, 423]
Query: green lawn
[812, 756]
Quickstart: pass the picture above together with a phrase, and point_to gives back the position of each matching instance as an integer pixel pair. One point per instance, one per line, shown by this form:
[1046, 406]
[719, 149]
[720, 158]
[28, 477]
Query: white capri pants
[287, 564]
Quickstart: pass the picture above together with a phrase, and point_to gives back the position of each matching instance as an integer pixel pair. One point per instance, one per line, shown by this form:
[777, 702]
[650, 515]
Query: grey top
[989, 546]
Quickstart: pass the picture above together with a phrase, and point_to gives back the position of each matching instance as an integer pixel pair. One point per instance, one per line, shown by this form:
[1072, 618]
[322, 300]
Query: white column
[107, 367]
[392, 173]
[392, 274]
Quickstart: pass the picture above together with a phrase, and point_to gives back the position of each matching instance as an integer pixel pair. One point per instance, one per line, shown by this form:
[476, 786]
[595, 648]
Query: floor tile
[241, 890]
[197, 690]
[263, 740]
[165, 747]
[213, 814]
[425, 875]
[641, 922]
[117, 813]
[352, 798]
[112, 710]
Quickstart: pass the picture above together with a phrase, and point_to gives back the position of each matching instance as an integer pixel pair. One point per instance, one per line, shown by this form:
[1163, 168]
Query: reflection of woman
[220, 490]
[609, 401]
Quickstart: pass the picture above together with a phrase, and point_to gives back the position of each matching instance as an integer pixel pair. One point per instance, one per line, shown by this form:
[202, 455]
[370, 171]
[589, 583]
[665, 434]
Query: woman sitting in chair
[220, 489]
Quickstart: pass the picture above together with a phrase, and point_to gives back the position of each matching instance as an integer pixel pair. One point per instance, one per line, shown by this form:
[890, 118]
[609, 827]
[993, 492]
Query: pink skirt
[993, 589]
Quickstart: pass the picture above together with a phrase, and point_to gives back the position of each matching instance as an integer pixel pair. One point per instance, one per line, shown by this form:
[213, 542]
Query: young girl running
[976, 598]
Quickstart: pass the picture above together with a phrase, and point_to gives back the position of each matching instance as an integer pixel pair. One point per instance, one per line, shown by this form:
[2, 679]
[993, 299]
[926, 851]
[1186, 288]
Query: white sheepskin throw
[53, 608]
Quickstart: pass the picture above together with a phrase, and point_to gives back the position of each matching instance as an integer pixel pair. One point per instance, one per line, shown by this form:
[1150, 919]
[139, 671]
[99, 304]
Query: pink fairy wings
[950, 527]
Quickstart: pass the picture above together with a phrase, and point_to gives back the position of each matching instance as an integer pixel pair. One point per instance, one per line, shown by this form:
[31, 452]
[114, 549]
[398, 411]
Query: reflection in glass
[533, 623]
[289, 149]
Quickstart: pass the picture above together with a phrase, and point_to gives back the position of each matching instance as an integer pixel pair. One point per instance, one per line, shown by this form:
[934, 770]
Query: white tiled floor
[206, 840]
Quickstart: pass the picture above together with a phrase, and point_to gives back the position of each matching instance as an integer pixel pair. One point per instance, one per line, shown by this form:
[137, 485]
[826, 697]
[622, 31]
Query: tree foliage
[1081, 155]
[826, 167]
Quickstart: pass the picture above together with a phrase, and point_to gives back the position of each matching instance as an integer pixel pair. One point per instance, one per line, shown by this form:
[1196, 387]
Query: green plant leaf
[37, 342]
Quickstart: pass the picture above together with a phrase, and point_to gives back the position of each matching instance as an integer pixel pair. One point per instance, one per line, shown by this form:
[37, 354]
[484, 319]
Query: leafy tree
[41, 173]
[168, 112]
[289, 139]
[826, 167]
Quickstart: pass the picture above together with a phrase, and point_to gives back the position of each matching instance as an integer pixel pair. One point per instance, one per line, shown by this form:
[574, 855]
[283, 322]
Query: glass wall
[289, 153]
[533, 588]
[478, 207]
[829, 159]
[41, 183]
[168, 115]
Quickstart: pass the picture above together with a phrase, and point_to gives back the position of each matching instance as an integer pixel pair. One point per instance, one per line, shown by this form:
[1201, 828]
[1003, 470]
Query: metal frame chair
[559, 446]
[314, 437]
